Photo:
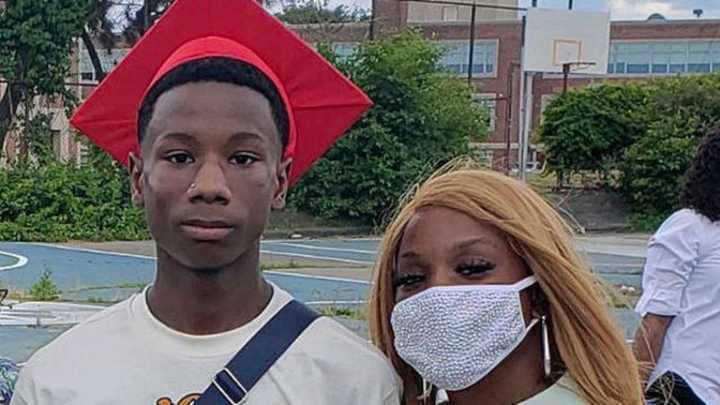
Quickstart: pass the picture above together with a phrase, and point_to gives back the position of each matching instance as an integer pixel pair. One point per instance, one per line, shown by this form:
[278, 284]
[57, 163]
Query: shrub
[55, 201]
[45, 289]
[421, 118]
[589, 129]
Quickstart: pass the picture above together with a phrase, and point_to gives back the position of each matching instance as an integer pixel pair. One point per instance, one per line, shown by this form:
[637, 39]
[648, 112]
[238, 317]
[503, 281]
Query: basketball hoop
[573, 66]
[579, 65]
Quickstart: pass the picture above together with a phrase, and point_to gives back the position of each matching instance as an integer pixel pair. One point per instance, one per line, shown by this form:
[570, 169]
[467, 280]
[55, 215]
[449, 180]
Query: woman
[680, 305]
[479, 293]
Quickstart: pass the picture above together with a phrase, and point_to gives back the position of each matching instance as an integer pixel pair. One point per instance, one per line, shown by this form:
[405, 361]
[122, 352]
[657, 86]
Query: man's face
[211, 170]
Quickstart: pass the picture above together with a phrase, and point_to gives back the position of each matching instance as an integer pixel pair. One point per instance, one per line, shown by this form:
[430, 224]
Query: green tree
[310, 12]
[589, 129]
[682, 110]
[45, 288]
[37, 37]
[421, 118]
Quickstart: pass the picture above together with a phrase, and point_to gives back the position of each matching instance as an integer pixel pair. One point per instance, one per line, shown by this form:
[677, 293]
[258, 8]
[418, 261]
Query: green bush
[589, 129]
[45, 288]
[647, 133]
[56, 201]
[422, 118]
[682, 110]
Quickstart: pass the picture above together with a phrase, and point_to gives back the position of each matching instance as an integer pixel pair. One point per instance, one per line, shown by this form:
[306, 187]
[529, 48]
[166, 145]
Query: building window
[450, 13]
[456, 57]
[483, 156]
[344, 50]
[488, 101]
[545, 101]
[109, 58]
[642, 58]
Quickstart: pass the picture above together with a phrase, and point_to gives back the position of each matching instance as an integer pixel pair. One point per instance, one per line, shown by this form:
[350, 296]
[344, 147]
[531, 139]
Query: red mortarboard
[321, 102]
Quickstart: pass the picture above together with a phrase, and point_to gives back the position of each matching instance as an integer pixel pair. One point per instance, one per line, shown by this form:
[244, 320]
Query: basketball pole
[472, 44]
[523, 105]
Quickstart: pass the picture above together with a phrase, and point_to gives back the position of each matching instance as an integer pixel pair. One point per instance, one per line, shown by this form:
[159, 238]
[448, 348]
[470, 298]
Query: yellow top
[564, 392]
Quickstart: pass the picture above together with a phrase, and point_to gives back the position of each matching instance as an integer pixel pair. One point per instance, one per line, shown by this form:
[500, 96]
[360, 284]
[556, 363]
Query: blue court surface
[85, 275]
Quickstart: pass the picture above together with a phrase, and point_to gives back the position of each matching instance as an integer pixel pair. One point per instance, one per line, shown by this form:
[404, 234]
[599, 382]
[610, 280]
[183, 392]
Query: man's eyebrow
[177, 136]
[247, 136]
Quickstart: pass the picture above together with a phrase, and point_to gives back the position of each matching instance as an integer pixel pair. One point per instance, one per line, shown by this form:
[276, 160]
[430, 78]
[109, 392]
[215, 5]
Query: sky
[619, 9]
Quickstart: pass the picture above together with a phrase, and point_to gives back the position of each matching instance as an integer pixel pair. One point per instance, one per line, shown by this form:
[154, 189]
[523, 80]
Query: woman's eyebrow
[462, 245]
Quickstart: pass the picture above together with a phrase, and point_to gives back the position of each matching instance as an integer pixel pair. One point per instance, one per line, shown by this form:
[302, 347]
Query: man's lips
[206, 230]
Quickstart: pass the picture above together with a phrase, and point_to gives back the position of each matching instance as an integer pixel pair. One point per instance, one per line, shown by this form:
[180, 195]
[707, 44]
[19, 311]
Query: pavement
[334, 272]
[621, 244]
[353, 257]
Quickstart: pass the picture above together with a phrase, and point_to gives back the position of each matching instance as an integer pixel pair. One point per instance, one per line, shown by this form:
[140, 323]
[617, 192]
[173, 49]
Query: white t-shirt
[682, 279]
[124, 355]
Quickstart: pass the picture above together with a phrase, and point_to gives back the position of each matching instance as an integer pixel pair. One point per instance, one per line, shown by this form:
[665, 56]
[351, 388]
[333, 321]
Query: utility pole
[146, 15]
[371, 28]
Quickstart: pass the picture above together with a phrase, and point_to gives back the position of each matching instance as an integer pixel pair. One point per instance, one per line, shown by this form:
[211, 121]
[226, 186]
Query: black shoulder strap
[232, 384]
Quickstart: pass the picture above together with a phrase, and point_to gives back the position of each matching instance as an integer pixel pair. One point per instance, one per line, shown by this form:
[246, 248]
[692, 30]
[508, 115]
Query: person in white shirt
[479, 294]
[677, 341]
[217, 111]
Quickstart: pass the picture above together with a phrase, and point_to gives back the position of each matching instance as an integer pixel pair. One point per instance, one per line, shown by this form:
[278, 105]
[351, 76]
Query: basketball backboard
[556, 37]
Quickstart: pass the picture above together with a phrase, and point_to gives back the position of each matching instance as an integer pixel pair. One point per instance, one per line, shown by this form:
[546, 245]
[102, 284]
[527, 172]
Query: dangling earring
[545, 347]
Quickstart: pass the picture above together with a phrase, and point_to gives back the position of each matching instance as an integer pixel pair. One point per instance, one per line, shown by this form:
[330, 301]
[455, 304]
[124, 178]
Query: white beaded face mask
[454, 336]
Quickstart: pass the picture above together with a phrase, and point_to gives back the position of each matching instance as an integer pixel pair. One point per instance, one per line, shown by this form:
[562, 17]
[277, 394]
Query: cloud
[641, 9]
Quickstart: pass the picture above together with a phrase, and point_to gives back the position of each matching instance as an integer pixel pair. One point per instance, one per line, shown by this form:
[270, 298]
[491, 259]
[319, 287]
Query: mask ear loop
[426, 391]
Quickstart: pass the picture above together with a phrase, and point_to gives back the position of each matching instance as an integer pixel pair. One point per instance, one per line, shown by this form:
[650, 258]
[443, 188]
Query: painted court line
[330, 249]
[314, 277]
[95, 251]
[304, 256]
[356, 302]
[21, 261]
[103, 252]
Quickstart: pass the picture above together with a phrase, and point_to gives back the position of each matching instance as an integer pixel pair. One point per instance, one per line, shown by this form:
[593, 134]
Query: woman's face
[443, 247]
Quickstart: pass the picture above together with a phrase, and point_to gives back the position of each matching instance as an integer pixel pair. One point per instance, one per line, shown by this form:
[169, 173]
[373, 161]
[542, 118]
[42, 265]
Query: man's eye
[180, 158]
[243, 159]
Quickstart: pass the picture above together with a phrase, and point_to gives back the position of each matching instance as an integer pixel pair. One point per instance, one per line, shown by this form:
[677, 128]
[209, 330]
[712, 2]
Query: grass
[343, 312]
[621, 296]
[292, 264]
[106, 287]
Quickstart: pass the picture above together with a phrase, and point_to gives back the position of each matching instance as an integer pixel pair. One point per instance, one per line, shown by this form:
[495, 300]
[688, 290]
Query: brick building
[639, 50]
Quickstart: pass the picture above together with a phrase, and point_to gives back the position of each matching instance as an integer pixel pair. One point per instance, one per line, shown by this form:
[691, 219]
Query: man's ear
[135, 169]
[282, 182]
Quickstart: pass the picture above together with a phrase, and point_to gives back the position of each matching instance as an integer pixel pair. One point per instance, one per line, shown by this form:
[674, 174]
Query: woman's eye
[475, 267]
[180, 158]
[243, 159]
[408, 280]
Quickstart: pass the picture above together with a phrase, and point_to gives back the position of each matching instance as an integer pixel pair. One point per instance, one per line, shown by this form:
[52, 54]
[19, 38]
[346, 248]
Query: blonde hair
[591, 347]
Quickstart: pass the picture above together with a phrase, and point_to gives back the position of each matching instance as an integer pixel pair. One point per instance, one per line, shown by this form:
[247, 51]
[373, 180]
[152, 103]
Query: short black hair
[701, 191]
[221, 70]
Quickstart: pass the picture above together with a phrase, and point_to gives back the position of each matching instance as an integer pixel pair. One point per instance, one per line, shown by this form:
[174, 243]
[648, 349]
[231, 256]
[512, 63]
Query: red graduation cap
[322, 104]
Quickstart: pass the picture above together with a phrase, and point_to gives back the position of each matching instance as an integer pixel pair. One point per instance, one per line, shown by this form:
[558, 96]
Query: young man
[217, 111]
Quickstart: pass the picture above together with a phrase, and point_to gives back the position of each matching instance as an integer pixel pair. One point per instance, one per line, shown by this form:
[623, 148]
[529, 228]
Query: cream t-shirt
[124, 355]
[565, 391]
